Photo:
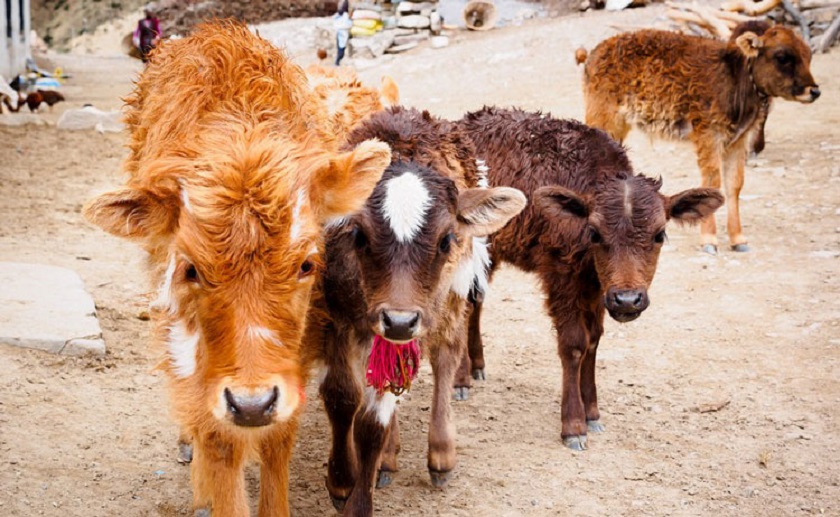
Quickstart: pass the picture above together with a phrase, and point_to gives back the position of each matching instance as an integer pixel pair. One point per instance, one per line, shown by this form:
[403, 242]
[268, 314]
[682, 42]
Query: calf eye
[191, 274]
[307, 267]
[594, 236]
[446, 243]
[359, 238]
[784, 59]
[659, 238]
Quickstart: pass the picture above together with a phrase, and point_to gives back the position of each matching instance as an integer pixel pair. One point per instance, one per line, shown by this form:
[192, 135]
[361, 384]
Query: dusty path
[81, 437]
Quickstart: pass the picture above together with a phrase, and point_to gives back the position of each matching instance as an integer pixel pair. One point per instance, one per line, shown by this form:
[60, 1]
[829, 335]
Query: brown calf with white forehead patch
[401, 269]
[593, 232]
[714, 94]
[233, 172]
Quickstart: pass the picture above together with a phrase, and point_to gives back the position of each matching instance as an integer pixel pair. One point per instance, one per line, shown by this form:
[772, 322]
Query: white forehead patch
[182, 347]
[483, 169]
[266, 334]
[405, 205]
[472, 269]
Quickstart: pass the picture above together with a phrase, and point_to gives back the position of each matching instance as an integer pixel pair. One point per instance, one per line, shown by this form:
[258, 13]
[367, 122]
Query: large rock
[371, 47]
[91, 118]
[414, 21]
[47, 308]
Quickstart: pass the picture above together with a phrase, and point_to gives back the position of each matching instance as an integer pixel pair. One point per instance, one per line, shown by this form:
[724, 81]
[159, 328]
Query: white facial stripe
[164, 298]
[257, 332]
[182, 347]
[297, 222]
[382, 405]
[472, 268]
[405, 205]
[483, 169]
[335, 222]
[628, 200]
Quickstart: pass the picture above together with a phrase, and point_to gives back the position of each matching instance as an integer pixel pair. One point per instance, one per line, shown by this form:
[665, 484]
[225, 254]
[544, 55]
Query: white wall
[14, 50]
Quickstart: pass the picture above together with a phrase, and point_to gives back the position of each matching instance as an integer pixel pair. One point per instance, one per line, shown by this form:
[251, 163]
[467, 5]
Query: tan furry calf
[232, 172]
[713, 94]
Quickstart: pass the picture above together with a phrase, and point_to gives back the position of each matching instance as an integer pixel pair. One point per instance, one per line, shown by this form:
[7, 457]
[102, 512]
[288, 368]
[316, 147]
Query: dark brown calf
[714, 94]
[592, 231]
[401, 269]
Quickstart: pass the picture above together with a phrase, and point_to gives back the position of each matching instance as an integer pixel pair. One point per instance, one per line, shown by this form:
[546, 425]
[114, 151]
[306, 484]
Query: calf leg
[475, 345]
[369, 432]
[709, 159]
[462, 377]
[185, 448]
[275, 453]
[604, 114]
[217, 479]
[445, 359]
[572, 346]
[588, 388]
[341, 394]
[388, 463]
[734, 178]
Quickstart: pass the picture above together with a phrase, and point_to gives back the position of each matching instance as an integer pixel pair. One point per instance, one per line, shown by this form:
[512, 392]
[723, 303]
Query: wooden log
[806, 5]
[717, 25]
[828, 37]
[797, 16]
[751, 8]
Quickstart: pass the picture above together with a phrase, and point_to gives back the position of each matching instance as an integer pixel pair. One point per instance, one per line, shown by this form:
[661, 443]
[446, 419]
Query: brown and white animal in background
[9, 97]
[592, 232]
[48, 97]
[714, 94]
[400, 270]
[347, 100]
[232, 174]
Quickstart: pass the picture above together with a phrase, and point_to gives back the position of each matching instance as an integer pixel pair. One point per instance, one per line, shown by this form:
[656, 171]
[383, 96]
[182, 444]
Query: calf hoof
[478, 374]
[439, 478]
[383, 479]
[461, 393]
[338, 503]
[711, 249]
[185, 453]
[741, 248]
[201, 512]
[576, 443]
[595, 426]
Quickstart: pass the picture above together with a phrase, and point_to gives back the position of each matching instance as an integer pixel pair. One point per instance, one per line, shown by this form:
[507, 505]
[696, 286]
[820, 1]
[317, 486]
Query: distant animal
[49, 97]
[322, 54]
[592, 232]
[396, 278]
[228, 191]
[347, 100]
[9, 96]
[714, 94]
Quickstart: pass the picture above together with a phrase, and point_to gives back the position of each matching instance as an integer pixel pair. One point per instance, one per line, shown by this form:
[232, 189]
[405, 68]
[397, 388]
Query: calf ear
[133, 213]
[486, 210]
[390, 91]
[343, 186]
[559, 202]
[749, 43]
[690, 206]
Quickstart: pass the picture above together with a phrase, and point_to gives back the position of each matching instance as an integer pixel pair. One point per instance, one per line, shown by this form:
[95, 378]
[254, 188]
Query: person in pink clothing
[148, 33]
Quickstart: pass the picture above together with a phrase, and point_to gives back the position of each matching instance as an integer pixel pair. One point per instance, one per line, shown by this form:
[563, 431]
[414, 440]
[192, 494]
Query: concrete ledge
[47, 308]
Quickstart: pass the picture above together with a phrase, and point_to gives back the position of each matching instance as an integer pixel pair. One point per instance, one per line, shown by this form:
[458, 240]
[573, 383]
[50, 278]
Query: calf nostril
[231, 402]
[386, 321]
[815, 93]
[638, 300]
[413, 323]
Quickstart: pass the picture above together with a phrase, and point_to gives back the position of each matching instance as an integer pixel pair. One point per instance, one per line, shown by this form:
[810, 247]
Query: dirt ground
[755, 333]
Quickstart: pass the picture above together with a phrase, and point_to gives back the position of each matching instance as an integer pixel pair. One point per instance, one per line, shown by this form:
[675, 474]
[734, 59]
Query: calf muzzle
[252, 410]
[626, 304]
[399, 326]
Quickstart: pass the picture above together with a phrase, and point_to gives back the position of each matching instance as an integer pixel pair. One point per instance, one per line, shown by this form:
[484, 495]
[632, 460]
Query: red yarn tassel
[392, 366]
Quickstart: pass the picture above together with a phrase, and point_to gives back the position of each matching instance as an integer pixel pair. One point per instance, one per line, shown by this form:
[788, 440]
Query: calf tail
[581, 55]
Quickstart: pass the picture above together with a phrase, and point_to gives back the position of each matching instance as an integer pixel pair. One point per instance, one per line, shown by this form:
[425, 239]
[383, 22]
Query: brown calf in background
[714, 94]
[592, 231]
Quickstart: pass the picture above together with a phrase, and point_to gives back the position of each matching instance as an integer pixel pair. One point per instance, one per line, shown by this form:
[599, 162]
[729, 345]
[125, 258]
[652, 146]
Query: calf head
[781, 61]
[622, 227]
[233, 234]
[414, 244]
